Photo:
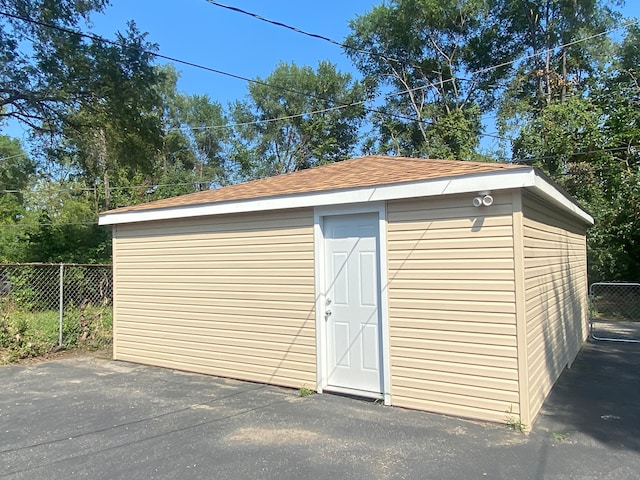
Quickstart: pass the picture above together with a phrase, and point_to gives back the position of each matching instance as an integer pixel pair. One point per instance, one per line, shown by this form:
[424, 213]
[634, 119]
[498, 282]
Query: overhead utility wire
[322, 37]
[629, 148]
[390, 59]
[564, 45]
[13, 156]
[337, 107]
[195, 65]
[422, 87]
[221, 72]
[302, 32]
[258, 82]
[98, 38]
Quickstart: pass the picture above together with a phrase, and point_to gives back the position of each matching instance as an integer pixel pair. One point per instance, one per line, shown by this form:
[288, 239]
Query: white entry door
[352, 315]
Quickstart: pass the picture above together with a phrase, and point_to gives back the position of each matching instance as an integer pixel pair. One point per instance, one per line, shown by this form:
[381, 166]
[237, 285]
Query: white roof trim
[500, 180]
[551, 193]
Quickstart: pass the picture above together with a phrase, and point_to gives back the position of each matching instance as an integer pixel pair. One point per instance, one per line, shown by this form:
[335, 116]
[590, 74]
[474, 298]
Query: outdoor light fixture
[483, 199]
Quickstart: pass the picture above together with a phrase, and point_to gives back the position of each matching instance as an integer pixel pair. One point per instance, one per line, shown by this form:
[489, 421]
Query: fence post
[61, 305]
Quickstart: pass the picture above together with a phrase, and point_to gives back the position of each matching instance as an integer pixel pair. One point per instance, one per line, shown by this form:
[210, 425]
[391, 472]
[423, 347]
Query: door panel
[352, 291]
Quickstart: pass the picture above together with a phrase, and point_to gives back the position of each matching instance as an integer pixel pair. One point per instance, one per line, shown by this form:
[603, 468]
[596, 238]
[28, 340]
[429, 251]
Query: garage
[446, 286]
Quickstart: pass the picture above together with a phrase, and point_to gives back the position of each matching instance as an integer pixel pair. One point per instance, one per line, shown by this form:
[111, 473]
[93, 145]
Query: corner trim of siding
[114, 297]
[521, 313]
[318, 255]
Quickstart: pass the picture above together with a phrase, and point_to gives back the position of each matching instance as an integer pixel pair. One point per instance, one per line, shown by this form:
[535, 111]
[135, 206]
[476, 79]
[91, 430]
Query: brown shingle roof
[367, 171]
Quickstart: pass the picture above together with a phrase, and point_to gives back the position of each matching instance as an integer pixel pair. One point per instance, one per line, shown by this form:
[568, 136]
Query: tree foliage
[424, 50]
[44, 71]
[117, 132]
[296, 118]
[566, 107]
[110, 128]
[16, 171]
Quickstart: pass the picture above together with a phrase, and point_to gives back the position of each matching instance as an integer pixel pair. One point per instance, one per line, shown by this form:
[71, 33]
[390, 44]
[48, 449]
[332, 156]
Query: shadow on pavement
[599, 396]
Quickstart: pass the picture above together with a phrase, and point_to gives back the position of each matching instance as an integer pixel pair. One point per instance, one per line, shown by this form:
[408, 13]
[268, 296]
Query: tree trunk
[564, 76]
[547, 66]
[101, 148]
[107, 190]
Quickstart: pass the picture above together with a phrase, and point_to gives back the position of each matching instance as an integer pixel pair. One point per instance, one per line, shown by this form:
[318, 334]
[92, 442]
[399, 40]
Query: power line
[13, 156]
[276, 119]
[279, 24]
[98, 38]
[549, 50]
[302, 32]
[51, 188]
[575, 154]
[46, 224]
[390, 59]
[336, 107]
[76, 189]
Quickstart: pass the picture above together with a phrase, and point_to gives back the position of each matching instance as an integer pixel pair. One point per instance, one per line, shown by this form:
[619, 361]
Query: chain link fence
[615, 311]
[48, 307]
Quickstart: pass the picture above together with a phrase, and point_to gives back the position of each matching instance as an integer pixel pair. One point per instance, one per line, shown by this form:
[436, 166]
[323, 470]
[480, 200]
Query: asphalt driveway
[86, 417]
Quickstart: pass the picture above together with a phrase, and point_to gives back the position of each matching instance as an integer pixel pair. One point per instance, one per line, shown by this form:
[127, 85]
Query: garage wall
[452, 306]
[555, 268]
[227, 295]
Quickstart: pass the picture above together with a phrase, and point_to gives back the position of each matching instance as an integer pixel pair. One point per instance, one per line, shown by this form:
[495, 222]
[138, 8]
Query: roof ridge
[370, 170]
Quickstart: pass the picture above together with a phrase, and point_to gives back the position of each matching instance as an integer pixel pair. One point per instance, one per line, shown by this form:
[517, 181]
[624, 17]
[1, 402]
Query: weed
[560, 437]
[25, 334]
[305, 391]
[513, 421]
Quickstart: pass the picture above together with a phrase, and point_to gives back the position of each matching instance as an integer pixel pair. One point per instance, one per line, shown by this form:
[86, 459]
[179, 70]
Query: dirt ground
[5, 354]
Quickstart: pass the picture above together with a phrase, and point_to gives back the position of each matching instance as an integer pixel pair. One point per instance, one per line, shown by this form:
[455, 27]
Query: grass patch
[559, 436]
[25, 334]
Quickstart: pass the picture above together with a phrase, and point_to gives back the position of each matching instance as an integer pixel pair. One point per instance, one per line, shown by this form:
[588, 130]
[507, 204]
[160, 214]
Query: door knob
[327, 313]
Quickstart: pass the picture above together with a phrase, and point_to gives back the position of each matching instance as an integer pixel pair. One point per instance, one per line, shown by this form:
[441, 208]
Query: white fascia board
[555, 196]
[492, 181]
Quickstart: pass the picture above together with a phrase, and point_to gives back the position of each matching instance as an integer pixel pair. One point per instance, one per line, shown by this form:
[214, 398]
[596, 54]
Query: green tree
[296, 118]
[16, 171]
[588, 142]
[616, 240]
[116, 134]
[92, 106]
[423, 51]
[93, 111]
[556, 66]
[43, 71]
[194, 148]
[60, 226]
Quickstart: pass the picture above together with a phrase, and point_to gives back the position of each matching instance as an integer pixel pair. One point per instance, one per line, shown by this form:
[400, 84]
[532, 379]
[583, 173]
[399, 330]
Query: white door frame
[321, 329]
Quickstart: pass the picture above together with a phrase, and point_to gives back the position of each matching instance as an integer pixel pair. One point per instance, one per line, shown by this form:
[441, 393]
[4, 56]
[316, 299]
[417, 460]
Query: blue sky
[202, 33]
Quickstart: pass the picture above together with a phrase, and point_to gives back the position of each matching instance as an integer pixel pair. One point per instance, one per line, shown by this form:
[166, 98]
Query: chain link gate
[50, 306]
[614, 311]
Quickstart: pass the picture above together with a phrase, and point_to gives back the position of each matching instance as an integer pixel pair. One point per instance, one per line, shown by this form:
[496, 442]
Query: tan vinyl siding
[555, 293]
[452, 306]
[228, 295]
